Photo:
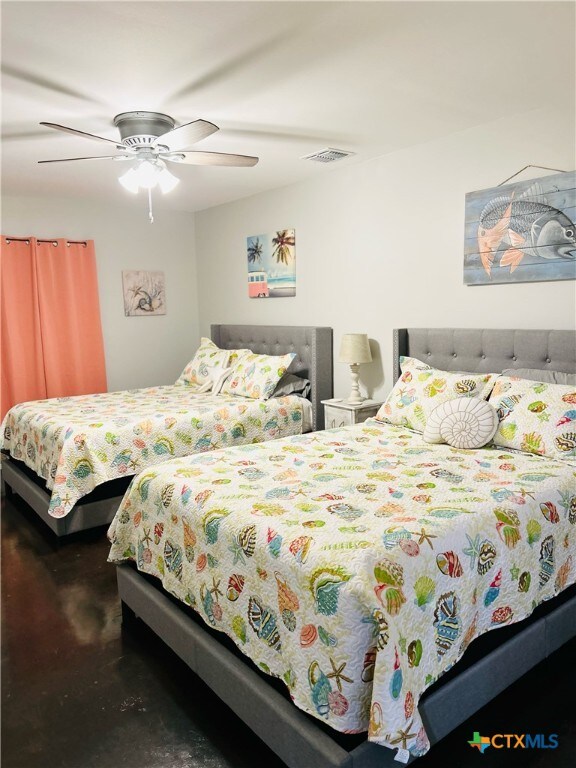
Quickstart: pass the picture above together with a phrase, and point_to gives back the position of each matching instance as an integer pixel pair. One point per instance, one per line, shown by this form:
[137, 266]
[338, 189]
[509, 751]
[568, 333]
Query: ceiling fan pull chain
[150, 215]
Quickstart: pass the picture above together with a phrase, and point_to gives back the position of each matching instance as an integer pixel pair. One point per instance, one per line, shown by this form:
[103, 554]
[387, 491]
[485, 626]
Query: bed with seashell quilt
[367, 568]
[71, 458]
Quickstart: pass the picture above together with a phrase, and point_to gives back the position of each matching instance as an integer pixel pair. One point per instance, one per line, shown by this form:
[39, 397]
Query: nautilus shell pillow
[422, 388]
[536, 417]
[199, 370]
[464, 422]
[256, 376]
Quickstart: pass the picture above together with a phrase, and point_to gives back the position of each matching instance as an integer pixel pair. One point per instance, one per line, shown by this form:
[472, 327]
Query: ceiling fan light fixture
[167, 181]
[147, 173]
[147, 140]
[129, 181]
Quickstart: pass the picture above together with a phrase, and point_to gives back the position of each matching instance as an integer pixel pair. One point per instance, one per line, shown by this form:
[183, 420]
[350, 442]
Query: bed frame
[488, 667]
[313, 346]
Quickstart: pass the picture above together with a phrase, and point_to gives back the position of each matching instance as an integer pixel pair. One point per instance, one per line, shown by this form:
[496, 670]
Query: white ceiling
[281, 79]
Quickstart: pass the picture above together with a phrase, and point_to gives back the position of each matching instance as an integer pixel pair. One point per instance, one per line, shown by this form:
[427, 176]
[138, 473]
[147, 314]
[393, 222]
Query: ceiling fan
[150, 139]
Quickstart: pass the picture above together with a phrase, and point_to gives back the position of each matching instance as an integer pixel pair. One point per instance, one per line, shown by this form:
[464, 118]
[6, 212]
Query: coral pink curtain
[70, 314]
[52, 343]
[21, 355]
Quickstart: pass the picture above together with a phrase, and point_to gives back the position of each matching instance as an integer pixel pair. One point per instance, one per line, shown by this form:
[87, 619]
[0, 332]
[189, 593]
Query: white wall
[140, 351]
[379, 244]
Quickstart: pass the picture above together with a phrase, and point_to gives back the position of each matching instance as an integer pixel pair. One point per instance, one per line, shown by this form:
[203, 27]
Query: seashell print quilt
[355, 564]
[78, 443]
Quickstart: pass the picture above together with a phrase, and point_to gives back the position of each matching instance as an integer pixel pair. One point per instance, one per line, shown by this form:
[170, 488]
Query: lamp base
[355, 396]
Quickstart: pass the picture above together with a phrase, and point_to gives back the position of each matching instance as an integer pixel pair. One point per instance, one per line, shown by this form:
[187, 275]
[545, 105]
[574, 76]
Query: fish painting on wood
[522, 232]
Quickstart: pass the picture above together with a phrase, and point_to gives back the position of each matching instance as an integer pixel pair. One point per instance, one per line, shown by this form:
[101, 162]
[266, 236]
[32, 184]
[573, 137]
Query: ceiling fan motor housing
[141, 129]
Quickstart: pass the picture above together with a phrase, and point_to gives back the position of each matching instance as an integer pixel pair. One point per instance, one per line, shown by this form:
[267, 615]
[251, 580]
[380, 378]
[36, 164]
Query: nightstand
[339, 413]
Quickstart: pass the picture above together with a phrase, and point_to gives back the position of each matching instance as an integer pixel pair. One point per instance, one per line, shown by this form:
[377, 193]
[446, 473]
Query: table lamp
[354, 350]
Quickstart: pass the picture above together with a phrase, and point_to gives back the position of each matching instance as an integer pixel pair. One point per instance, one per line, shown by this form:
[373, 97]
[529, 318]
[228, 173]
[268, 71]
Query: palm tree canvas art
[144, 293]
[271, 265]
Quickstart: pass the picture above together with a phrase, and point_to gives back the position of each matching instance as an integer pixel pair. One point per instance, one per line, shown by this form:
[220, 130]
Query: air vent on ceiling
[328, 155]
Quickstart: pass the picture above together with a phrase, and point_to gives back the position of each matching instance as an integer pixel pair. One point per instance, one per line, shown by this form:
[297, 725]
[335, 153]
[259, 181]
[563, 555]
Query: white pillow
[463, 422]
[421, 388]
[257, 375]
[219, 376]
[536, 417]
[215, 381]
[208, 355]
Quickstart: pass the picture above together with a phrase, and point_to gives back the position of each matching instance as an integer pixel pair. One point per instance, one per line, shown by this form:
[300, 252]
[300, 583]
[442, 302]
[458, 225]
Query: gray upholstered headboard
[492, 350]
[312, 344]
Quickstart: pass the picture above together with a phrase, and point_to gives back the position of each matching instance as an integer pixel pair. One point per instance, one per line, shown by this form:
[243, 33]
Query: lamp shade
[355, 348]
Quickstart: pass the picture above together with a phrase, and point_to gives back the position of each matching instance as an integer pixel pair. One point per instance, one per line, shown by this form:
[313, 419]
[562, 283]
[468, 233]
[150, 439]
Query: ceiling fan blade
[97, 157]
[32, 78]
[211, 158]
[186, 134]
[83, 133]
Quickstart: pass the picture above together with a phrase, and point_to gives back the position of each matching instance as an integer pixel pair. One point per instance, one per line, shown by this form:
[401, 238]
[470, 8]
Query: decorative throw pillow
[256, 376]
[290, 384]
[218, 377]
[464, 422]
[535, 374]
[535, 417]
[214, 382]
[237, 354]
[422, 388]
[207, 356]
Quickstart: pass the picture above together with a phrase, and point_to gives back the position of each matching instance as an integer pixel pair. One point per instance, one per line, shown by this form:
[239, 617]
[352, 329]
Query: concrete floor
[78, 691]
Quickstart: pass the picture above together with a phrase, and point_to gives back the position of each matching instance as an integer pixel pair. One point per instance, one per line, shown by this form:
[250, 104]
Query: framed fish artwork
[521, 232]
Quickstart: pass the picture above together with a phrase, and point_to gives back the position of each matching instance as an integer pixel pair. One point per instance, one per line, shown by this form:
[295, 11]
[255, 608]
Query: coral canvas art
[144, 293]
[521, 232]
